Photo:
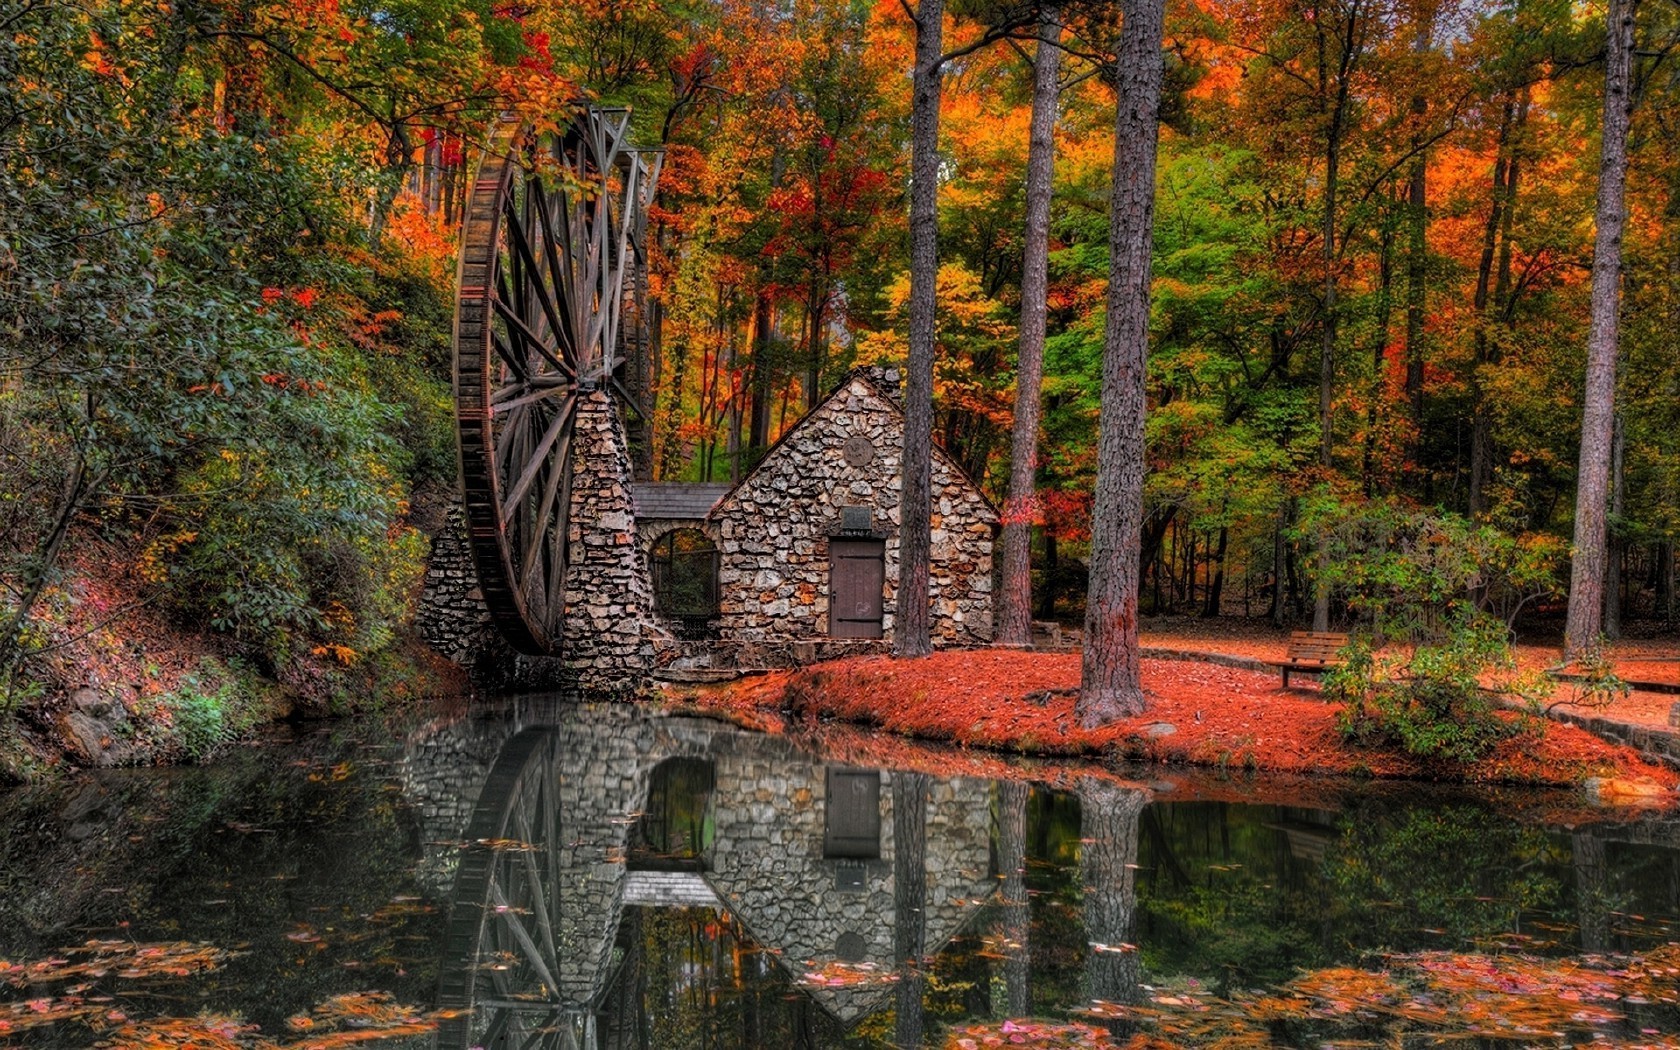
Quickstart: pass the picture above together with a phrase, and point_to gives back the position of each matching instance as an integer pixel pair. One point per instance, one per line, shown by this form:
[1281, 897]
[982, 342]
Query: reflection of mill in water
[825, 868]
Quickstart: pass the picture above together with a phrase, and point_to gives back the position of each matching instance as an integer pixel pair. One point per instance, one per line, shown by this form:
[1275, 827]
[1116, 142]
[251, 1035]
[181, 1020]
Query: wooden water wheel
[551, 230]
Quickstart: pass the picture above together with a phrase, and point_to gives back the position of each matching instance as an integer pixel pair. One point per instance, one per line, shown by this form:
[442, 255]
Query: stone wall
[773, 530]
[609, 599]
[610, 629]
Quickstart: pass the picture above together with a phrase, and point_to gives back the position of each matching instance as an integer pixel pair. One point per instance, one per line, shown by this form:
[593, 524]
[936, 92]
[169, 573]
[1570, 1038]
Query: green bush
[1440, 700]
[1446, 590]
[209, 709]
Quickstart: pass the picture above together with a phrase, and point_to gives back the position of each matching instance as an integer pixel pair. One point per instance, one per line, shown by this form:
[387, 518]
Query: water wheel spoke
[509, 358]
[539, 898]
[530, 338]
[533, 955]
[544, 523]
[551, 1024]
[534, 462]
[534, 393]
[567, 338]
[498, 1025]
[532, 282]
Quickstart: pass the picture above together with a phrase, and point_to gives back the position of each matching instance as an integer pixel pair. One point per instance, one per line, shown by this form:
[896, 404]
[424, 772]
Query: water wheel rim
[516, 395]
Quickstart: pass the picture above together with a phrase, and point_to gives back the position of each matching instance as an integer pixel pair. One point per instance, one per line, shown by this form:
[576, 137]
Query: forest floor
[1199, 713]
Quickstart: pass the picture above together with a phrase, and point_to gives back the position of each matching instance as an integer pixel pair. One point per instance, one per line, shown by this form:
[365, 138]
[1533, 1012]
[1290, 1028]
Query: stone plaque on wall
[858, 450]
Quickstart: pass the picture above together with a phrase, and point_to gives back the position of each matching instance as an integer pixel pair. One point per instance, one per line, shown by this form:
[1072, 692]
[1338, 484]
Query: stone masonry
[773, 530]
[609, 599]
[609, 633]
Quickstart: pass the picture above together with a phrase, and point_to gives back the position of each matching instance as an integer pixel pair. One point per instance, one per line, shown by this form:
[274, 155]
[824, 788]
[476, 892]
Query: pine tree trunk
[910, 625]
[1586, 583]
[1109, 687]
[1015, 613]
[1614, 548]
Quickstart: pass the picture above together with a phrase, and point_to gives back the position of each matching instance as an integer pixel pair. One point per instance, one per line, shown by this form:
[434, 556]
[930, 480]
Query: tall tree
[1587, 566]
[1109, 687]
[910, 627]
[1015, 619]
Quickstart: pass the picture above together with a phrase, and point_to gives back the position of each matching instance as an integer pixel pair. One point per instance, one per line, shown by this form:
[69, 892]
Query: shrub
[1448, 589]
[1433, 701]
[211, 708]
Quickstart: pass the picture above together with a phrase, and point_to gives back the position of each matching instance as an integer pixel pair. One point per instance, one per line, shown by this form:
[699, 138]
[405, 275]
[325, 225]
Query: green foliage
[210, 708]
[1433, 701]
[1424, 580]
[1414, 574]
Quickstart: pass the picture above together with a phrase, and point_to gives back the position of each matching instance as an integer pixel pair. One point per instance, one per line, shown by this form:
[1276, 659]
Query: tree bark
[1614, 546]
[1417, 253]
[39, 569]
[910, 625]
[1109, 687]
[1586, 584]
[1015, 615]
[1493, 268]
[1216, 586]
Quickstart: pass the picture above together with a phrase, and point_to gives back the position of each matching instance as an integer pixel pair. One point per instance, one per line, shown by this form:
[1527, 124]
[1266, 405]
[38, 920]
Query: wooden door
[857, 574]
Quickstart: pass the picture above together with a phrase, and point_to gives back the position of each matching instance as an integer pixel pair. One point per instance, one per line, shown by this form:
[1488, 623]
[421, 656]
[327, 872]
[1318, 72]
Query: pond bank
[118, 681]
[1200, 713]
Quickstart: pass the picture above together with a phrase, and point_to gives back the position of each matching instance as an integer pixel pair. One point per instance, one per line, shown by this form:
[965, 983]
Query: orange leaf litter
[1199, 714]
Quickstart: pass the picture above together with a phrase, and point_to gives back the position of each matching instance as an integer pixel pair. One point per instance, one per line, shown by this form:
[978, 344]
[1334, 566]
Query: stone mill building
[797, 562]
[808, 541]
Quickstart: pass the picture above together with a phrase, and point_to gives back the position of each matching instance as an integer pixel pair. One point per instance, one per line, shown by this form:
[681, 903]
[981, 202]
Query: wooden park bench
[1310, 652]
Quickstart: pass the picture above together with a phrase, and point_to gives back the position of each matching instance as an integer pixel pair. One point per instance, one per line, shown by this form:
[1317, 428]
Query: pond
[562, 875]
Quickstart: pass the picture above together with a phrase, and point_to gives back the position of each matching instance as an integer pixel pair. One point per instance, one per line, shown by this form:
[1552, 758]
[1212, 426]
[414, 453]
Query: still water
[566, 876]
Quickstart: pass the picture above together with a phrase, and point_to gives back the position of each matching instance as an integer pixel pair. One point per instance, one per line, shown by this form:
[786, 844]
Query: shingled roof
[678, 500]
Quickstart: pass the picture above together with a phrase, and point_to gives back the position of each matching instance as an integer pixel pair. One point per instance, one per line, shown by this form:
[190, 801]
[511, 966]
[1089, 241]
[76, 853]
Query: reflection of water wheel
[544, 248]
[501, 978]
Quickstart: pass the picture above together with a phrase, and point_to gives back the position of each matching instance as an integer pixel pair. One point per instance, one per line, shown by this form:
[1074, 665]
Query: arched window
[685, 581]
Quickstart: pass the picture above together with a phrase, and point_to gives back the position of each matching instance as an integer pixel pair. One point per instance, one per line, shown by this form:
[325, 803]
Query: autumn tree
[1015, 615]
[1109, 687]
[1587, 564]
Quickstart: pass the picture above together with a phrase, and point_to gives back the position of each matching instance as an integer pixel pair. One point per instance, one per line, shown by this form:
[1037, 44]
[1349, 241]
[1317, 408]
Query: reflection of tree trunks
[1014, 920]
[1108, 829]
[1592, 891]
[910, 798]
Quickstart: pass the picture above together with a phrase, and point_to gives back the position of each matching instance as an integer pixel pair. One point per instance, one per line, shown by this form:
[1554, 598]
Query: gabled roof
[677, 500]
[870, 377]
